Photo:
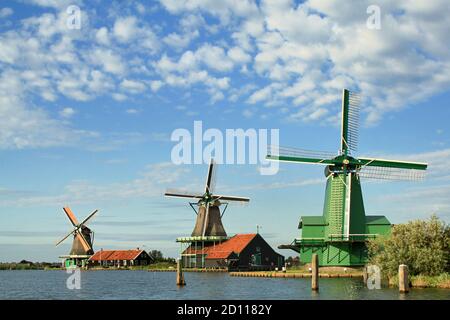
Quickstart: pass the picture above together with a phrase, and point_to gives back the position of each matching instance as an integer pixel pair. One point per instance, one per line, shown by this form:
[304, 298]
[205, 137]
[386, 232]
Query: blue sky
[86, 115]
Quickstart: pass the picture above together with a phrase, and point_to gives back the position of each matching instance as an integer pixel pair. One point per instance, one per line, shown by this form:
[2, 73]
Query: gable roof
[311, 221]
[103, 255]
[235, 244]
[377, 220]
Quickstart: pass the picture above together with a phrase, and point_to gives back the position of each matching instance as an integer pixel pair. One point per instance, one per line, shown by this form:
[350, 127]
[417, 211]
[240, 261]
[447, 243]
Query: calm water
[32, 284]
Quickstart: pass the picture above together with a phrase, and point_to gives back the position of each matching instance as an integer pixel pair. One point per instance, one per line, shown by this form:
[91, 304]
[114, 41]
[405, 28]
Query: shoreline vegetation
[424, 246]
[441, 281]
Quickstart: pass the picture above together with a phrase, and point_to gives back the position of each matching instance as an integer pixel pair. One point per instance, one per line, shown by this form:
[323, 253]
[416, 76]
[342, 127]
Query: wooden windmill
[340, 234]
[208, 229]
[83, 240]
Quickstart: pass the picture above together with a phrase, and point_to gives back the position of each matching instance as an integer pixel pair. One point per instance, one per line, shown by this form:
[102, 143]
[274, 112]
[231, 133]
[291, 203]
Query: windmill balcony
[334, 238]
[202, 239]
[351, 237]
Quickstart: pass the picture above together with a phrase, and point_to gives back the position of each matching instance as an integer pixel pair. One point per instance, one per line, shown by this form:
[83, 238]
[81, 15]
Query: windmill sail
[285, 154]
[82, 235]
[350, 121]
[209, 218]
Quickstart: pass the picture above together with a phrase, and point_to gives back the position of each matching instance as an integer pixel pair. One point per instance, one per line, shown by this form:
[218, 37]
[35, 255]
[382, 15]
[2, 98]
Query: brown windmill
[83, 239]
[208, 229]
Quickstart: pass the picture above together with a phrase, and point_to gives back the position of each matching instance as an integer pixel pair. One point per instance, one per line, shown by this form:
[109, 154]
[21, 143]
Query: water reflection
[161, 285]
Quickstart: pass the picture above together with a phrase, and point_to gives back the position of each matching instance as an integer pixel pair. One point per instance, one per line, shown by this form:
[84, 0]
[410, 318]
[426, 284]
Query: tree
[424, 246]
[156, 255]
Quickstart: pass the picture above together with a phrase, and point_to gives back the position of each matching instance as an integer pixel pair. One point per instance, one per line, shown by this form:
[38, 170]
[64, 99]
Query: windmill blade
[68, 235]
[371, 162]
[231, 198]
[209, 177]
[213, 182]
[71, 216]
[205, 222]
[390, 169]
[350, 121]
[86, 245]
[88, 218]
[182, 194]
[387, 173]
[278, 153]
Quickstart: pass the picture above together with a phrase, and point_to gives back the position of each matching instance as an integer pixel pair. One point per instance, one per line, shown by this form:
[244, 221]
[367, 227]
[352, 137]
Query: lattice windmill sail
[209, 217]
[83, 237]
[208, 230]
[341, 232]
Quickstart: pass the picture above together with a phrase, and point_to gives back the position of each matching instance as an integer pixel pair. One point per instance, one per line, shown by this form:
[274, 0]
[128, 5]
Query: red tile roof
[222, 251]
[214, 254]
[103, 255]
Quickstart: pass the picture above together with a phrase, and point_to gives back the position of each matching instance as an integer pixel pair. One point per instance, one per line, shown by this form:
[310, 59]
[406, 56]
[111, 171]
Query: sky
[87, 114]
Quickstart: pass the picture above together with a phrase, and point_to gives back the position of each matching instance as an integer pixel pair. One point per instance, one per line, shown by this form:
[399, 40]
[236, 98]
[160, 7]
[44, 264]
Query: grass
[422, 281]
[162, 265]
[28, 266]
[329, 270]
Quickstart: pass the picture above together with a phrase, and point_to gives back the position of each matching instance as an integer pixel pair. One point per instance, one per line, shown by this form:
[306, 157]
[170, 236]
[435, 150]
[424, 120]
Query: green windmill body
[339, 236]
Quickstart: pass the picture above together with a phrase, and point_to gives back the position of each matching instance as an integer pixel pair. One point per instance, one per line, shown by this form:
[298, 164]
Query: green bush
[424, 246]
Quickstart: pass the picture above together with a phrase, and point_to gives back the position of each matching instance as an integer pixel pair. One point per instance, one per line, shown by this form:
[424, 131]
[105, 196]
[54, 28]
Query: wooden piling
[315, 272]
[403, 283]
[365, 275]
[180, 276]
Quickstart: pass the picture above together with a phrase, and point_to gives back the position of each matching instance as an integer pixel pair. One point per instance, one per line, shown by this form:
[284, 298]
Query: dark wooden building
[120, 258]
[240, 252]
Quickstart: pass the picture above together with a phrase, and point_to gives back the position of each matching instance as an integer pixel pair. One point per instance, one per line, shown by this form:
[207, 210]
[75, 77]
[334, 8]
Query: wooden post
[365, 275]
[180, 277]
[403, 283]
[315, 272]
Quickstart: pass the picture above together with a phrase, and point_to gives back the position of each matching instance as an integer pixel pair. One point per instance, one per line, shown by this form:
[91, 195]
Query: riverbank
[30, 266]
[441, 282]
[279, 274]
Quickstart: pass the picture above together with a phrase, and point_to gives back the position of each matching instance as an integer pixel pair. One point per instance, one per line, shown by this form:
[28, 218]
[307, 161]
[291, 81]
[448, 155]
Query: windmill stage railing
[351, 237]
[363, 237]
[202, 239]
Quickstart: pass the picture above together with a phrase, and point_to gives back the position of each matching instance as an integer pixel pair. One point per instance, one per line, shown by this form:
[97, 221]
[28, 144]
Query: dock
[294, 275]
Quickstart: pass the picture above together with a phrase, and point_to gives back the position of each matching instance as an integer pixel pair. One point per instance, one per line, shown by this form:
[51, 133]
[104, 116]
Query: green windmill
[339, 236]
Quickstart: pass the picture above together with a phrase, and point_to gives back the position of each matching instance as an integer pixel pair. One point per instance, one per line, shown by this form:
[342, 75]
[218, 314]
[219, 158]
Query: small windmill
[208, 228]
[339, 235]
[83, 239]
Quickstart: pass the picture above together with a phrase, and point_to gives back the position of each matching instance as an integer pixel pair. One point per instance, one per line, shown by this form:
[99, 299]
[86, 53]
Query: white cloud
[109, 60]
[125, 29]
[67, 113]
[238, 55]
[214, 57]
[119, 96]
[23, 126]
[156, 85]
[58, 4]
[132, 86]
[102, 36]
[6, 12]
[129, 29]
[132, 111]
[180, 41]
[299, 54]
[150, 183]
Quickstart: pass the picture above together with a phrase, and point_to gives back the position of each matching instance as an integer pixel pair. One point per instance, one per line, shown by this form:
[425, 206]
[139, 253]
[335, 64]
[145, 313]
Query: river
[35, 284]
